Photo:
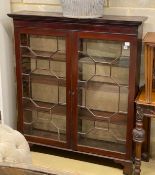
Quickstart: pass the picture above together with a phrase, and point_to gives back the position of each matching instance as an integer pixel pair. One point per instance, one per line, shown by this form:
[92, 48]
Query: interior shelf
[30, 104]
[122, 61]
[45, 134]
[45, 79]
[96, 84]
[119, 147]
[43, 55]
[95, 115]
[52, 80]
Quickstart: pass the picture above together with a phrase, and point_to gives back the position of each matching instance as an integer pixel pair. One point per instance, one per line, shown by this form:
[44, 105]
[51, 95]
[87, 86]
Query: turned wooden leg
[138, 138]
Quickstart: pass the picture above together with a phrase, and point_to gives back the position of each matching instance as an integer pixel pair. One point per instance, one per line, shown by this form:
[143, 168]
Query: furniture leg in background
[138, 138]
[143, 110]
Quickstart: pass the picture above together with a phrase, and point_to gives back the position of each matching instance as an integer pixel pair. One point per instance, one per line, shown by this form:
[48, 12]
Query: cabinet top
[150, 38]
[58, 17]
[141, 99]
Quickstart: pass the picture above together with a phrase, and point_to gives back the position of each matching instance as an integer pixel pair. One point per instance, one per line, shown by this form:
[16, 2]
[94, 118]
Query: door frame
[43, 32]
[131, 95]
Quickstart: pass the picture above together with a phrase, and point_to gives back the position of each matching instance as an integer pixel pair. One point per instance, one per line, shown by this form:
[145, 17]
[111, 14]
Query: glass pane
[103, 93]
[44, 86]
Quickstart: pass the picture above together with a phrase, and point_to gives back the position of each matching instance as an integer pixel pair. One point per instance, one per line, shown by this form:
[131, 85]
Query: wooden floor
[77, 167]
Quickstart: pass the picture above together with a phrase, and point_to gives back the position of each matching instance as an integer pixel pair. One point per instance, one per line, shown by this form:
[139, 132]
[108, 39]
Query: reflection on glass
[43, 62]
[103, 94]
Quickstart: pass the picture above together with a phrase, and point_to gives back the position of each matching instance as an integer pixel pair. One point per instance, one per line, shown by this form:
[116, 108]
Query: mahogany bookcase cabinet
[77, 80]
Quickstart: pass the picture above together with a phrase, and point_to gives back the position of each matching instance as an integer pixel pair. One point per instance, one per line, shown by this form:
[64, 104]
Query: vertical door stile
[74, 65]
[131, 98]
[19, 80]
[102, 98]
[68, 86]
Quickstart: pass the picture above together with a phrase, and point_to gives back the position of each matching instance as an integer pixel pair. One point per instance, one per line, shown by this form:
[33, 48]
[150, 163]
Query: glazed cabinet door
[101, 98]
[43, 86]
